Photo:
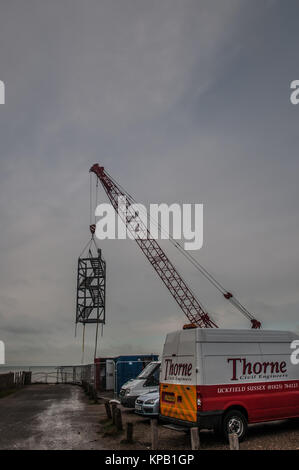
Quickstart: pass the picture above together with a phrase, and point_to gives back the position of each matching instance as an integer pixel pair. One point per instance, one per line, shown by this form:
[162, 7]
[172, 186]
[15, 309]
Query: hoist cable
[90, 200]
[96, 339]
[83, 344]
[85, 247]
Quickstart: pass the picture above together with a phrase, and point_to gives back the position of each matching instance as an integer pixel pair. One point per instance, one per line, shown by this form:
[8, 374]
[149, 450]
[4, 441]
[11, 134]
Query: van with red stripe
[225, 379]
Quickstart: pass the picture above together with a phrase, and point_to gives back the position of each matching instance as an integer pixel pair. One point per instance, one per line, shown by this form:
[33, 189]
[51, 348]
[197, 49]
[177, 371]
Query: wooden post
[113, 408]
[194, 433]
[129, 432]
[118, 419]
[154, 434]
[95, 395]
[233, 441]
[108, 410]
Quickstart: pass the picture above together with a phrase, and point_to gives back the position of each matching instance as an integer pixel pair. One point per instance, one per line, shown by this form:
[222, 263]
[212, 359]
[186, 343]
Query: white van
[146, 382]
[225, 379]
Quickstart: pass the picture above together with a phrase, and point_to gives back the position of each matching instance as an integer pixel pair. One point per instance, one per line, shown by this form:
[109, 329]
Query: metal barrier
[87, 375]
[76, 374]
[12, 380]
[62, 374]
[44, 377]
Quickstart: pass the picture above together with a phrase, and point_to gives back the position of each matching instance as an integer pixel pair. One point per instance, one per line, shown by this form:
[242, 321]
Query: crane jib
[167, 272]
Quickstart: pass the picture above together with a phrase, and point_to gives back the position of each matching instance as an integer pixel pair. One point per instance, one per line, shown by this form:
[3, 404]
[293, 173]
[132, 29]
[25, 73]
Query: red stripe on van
[262, 400]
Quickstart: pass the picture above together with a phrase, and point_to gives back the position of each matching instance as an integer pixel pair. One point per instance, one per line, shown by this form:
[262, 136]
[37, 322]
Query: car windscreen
[148, 370]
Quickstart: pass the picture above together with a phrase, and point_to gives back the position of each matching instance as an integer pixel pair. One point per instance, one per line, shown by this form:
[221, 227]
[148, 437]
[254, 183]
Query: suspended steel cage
[91, 289]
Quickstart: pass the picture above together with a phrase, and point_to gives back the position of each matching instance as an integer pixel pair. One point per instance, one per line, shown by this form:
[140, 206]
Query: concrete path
[48, 417]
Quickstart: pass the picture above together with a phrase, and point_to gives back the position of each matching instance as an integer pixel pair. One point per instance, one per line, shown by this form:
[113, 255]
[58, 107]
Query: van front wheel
[235, 422]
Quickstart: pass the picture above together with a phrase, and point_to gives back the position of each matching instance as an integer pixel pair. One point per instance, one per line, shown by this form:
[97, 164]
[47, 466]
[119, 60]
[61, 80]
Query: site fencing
[76, 374]
[55, 375]
[64, 375]
[107, 375]
[98, 377]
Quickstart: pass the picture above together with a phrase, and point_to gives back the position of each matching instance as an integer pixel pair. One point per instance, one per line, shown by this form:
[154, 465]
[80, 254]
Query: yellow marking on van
[179, 401]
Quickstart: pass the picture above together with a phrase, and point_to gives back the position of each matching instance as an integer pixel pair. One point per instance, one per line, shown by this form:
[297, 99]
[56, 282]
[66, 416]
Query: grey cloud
[182, 102]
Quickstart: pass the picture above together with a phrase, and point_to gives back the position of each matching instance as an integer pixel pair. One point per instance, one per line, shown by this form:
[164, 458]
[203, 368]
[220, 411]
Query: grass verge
[5, 393]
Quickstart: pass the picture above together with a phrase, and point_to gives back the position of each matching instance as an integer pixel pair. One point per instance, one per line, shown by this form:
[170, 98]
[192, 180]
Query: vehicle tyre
[234, 421]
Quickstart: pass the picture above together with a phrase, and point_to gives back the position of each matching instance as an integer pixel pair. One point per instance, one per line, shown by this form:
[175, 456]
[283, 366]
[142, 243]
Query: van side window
[156, 376]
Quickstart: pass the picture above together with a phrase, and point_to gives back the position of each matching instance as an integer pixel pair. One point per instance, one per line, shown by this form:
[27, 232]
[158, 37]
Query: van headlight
[150, 402]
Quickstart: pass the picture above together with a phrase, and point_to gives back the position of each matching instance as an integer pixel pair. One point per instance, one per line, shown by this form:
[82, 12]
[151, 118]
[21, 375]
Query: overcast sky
[181, 101]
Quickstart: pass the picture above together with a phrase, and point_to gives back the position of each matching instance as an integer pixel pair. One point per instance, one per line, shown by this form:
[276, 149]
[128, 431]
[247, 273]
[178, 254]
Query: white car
[148, 404]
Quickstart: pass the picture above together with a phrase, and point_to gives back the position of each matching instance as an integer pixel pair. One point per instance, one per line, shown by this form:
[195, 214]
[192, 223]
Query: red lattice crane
[167, 272]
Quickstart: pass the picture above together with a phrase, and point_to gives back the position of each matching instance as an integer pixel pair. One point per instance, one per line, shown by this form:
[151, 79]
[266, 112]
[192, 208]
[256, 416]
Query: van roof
[204, 335]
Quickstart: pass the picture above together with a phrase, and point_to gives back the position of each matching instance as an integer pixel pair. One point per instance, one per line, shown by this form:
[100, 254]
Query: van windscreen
[148, 370]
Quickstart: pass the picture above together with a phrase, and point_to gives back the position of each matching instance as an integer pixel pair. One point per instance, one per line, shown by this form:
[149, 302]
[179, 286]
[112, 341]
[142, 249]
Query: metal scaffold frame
[91, 289]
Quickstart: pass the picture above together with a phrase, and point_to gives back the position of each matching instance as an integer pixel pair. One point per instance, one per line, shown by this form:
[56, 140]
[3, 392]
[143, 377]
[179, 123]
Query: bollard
[108, 410]
[95, 395]
[233, 441]
[118, 419]
[129, 432]
[194, 433]
[154, 434]
[113, 408]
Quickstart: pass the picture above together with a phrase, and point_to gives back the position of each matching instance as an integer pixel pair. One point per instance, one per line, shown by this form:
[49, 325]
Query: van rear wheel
[235, 421]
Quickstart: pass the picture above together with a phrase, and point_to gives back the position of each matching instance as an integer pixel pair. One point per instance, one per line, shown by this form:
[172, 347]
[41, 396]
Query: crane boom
[154, 253]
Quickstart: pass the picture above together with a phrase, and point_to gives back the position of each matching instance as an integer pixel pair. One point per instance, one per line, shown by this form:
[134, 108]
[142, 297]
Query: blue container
[128, 367]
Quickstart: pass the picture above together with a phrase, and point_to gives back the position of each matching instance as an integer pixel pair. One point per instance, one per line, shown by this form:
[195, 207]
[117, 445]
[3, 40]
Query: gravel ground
[278, 435]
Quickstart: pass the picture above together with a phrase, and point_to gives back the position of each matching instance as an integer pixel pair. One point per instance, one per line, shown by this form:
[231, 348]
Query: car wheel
[235, 422]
